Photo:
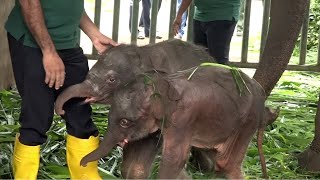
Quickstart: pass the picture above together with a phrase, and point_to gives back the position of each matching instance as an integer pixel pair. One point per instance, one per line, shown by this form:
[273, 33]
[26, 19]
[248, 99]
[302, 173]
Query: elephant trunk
[78, 90]
[109, 141]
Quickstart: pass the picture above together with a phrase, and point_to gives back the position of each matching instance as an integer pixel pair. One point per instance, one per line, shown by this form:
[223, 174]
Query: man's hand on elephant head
[102, 43]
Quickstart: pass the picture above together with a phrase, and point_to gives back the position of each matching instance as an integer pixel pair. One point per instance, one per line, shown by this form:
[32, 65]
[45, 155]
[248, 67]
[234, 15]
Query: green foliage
[53, 155]
[313, 30]
[296, 94]
[314, 24]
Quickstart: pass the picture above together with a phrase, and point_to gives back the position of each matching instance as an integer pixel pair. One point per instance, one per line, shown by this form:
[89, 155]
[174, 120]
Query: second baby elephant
[204, 107]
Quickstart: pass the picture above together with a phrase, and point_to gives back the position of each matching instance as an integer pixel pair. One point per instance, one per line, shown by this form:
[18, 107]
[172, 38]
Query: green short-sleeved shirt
[62, 18]
[212, 10]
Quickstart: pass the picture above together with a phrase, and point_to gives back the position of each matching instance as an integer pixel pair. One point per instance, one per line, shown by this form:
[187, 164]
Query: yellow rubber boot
[26, 161]
[76, 150]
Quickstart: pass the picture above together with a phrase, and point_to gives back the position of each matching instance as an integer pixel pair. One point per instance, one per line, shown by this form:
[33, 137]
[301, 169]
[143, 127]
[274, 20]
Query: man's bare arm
[100, 41]
[177, 22]
[183, 7]
[88, 27]
[34, 18]
[53, 65]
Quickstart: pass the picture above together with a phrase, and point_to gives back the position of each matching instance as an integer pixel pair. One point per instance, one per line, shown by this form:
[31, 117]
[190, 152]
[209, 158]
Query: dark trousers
[37, 106]
[216, 36]
[145, 16]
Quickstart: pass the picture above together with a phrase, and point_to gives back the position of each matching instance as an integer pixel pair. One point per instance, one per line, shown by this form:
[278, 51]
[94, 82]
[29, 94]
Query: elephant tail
[270, 115]
[261, 154]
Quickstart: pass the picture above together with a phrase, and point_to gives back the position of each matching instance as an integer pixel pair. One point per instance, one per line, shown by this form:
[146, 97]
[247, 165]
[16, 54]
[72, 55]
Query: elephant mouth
[96, 99]
[123, 143]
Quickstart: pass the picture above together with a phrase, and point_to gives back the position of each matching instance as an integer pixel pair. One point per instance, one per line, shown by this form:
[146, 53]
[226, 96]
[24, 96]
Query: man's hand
[100, 41]
[177, 24]
[103, 43]
[54, 68]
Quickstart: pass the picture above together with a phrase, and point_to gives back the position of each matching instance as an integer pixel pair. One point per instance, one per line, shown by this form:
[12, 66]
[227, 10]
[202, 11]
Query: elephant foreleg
[138, 157]
[175, 152]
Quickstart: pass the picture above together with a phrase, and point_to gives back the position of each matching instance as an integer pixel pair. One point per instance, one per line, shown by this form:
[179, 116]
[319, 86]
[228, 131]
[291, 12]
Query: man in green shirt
[213, 25]
[43, 38]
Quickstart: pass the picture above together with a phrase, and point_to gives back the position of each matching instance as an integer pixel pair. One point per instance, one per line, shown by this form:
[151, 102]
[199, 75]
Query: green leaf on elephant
[240, 83]
[147, 80]
[192, 73]
[155, 95]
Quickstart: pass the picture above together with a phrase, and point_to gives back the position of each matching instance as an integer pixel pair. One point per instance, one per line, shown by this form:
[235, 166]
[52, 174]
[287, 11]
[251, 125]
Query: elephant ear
[164, 99]
[167, 90]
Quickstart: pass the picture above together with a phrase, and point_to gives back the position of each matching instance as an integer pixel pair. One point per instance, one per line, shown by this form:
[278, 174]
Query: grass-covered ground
[296, 94]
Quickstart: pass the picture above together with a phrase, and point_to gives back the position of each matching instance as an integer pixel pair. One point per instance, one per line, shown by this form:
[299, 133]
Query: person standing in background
[144, 21]
[214, 22]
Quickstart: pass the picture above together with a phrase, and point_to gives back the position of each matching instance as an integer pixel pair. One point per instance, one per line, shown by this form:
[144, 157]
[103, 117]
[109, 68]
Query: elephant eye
[124, 123]
[112, 79]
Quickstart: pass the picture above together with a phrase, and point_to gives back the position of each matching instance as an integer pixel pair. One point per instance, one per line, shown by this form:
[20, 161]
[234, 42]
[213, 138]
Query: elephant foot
[309, 160]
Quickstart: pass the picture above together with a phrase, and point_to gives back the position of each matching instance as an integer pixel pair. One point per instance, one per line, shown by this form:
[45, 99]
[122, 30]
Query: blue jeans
[145, 15]
[184, 19]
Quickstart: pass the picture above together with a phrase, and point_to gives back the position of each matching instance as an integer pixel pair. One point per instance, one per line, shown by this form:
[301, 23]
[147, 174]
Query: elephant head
[112, 69]
[133, 115]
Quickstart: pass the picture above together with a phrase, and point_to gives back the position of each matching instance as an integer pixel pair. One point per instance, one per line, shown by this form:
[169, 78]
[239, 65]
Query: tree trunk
[286, 17]
[316, 141]
[310, 158]
[6, 74]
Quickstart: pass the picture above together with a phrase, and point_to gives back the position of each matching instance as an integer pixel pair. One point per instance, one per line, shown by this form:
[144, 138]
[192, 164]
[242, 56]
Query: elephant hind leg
[138, 157]
[231, 153]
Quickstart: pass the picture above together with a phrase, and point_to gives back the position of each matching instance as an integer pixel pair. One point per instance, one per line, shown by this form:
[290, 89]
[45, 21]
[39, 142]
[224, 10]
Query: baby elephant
[211, 108]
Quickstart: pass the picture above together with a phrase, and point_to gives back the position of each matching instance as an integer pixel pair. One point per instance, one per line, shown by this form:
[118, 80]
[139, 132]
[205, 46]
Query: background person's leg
[130, 14]
[219, 34]
[241, 18]
[146, 5]
[199, 36]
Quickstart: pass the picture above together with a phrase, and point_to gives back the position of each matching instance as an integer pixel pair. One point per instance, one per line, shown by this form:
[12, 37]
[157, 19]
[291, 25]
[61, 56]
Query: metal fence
[303, 65]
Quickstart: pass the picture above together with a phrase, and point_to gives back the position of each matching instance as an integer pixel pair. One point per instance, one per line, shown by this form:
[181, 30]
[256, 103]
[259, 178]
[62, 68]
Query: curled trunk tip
[77, 90]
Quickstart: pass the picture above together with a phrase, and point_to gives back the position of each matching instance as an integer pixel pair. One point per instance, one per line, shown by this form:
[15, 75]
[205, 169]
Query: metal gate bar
[304, 37]
[245, 37]
[116, 18]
